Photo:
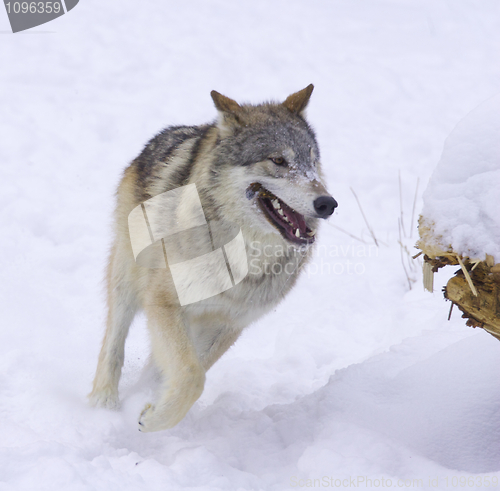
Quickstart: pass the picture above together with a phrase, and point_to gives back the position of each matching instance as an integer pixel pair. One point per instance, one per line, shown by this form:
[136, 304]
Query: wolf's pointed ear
[298, 102]
[229, 113]
[224, 104]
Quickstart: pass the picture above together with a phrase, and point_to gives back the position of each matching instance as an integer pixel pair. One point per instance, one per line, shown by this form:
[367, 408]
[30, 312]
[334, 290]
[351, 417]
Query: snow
[461, 201]
[354, 375]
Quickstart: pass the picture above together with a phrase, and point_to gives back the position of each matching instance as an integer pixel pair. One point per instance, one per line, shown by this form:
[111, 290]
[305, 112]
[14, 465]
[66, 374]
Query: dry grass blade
[467, 276]
[401, 248]
[414, 206]
[364, 218]
[346, 232]
[402, 223]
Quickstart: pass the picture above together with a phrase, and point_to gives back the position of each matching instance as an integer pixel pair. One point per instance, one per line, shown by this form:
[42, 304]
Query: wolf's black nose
[324, 206]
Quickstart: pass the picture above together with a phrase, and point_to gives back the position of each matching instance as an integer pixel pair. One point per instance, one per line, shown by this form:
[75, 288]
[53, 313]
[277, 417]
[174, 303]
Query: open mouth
[290, 223]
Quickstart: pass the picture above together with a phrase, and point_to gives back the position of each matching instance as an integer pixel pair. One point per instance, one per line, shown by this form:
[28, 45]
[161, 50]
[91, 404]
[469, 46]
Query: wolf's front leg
[182, 373]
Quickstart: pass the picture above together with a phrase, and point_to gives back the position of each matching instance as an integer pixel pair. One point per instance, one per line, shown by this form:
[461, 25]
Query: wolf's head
[268, 167]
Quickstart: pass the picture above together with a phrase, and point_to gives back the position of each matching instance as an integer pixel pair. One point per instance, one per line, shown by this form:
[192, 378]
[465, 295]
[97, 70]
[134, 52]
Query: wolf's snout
[324, 206]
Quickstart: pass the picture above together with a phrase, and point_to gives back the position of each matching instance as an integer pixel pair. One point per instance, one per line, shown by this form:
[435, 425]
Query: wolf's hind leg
[122, 306]
[182, 373]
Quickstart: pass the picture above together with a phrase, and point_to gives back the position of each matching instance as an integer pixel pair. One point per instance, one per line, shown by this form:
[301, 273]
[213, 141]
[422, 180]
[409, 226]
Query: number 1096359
[33, 7]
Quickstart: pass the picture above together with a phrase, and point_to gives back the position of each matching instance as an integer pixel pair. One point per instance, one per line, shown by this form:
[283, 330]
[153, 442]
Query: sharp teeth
[310, 234]
[280, 211]
[297, 233]
[276, 203]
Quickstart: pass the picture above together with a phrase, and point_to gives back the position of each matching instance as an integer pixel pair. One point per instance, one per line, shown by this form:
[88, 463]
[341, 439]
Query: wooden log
[475, 288]
[482, 310]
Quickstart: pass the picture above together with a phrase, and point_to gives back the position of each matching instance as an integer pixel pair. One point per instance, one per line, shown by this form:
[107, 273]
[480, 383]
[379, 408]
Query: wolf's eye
[279, 161]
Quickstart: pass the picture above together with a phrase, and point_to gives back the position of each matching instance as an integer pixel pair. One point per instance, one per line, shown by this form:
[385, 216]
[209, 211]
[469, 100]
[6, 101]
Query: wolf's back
[167, 160]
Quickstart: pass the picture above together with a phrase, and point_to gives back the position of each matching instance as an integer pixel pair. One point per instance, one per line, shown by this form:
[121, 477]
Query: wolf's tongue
[296, 219]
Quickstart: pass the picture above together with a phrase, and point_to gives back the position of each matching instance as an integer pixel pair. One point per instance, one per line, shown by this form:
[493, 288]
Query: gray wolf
[257, 166]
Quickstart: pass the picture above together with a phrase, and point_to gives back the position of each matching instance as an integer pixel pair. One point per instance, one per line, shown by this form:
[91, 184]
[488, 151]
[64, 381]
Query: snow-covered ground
[354, 376]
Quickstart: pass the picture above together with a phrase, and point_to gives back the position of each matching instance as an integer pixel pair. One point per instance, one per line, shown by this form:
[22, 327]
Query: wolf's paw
[157, 418]
[105, 398]
[174, 403]
[154, 420]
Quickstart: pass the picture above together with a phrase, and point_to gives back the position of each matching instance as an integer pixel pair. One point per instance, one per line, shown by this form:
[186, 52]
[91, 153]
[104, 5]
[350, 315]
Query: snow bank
[462, 200]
